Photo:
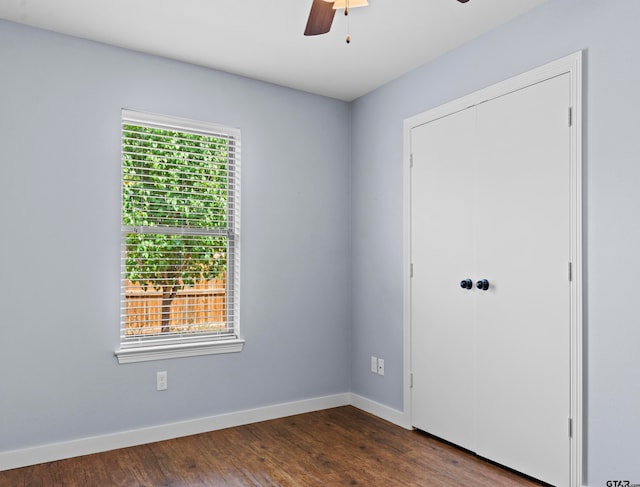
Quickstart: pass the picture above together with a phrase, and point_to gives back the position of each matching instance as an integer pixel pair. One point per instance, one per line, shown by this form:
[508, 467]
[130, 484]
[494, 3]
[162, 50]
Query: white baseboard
[380, 410]
[85, 446]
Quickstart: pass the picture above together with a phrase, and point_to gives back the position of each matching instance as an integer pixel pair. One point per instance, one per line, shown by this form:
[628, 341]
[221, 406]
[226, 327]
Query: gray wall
[60, 102]
[607, 31]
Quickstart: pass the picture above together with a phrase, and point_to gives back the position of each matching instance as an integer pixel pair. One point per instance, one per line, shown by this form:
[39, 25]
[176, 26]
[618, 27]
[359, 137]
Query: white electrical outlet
[161, 381]
[374, 364]
[380, 366]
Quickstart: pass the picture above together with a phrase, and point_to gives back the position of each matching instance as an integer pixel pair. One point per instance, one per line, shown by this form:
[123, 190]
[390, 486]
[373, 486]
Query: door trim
[571, 64]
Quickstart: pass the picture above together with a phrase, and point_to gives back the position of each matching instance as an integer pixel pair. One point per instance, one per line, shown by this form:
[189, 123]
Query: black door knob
[466, 284]
[482, 284]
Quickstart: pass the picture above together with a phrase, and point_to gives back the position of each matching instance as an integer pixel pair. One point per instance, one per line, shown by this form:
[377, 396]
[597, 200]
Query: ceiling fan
[323, 11]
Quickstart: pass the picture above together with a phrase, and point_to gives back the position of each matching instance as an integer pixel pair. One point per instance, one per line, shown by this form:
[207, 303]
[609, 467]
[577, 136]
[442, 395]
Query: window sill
[144, 353]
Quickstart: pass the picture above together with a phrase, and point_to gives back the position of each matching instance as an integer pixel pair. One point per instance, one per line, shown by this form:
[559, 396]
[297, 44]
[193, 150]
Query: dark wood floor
[341, 446]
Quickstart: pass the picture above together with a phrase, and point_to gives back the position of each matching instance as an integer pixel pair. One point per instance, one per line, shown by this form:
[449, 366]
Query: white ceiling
[263, 39]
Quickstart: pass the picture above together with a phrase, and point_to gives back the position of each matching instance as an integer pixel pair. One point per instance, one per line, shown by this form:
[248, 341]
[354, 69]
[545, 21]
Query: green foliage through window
[175, 212]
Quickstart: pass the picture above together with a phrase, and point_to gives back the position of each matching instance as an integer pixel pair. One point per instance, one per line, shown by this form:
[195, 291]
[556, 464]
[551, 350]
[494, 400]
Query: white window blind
[180, 236]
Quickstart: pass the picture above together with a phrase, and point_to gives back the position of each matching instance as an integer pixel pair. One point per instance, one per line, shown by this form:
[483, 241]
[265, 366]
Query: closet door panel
[523, 238]
[442, 249]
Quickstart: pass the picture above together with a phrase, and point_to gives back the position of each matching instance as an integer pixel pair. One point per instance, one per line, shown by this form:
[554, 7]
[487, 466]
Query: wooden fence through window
[198, 308]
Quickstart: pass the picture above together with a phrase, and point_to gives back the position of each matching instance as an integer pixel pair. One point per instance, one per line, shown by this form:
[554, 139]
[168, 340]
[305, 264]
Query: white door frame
[571, 64]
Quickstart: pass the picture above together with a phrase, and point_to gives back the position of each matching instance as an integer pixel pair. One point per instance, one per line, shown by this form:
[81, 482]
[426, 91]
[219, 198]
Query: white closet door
[490, 199]
[442, 227]
[523, 339]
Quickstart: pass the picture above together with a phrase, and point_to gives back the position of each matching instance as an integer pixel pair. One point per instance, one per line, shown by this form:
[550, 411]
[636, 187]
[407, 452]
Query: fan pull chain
[346, 14]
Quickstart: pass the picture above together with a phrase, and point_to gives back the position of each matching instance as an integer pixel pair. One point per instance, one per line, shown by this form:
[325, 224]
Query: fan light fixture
[323, 11]
[340, 4]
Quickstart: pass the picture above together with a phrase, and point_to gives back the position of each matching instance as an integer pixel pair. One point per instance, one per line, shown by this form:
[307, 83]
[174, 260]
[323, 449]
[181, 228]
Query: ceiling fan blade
[320, 18]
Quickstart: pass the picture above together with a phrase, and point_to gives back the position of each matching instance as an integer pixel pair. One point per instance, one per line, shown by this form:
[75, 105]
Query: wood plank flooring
[334, 447]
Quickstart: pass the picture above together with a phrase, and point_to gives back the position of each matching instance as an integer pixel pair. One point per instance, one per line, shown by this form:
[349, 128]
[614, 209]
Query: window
[180, 238]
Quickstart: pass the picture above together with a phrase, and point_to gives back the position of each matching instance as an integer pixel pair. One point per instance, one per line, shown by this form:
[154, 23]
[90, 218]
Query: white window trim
[176, 350]
[156, 348]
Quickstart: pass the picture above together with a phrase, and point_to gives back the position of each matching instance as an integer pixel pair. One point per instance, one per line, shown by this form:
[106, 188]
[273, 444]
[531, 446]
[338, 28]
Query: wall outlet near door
[377, 365]
[380, 366]
[161, 381]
